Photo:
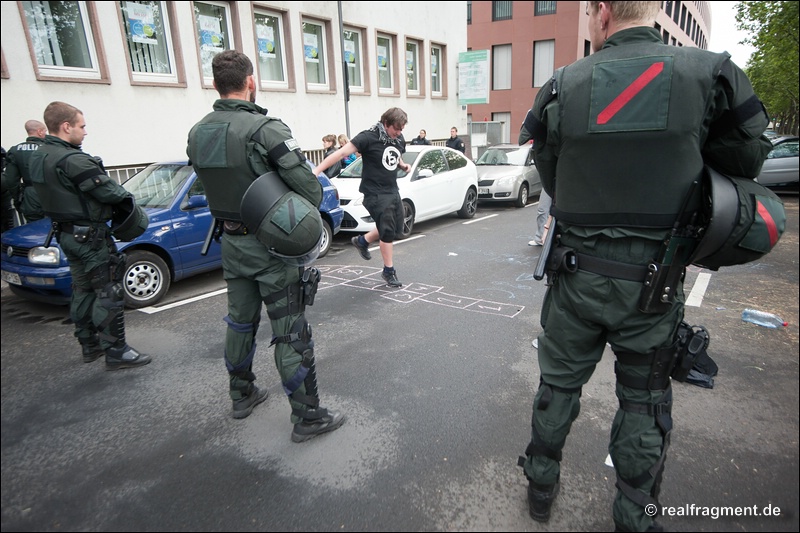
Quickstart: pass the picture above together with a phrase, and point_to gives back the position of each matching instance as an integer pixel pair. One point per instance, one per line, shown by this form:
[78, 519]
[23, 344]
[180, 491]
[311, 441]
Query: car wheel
[470, 205]
[146, 280]
[408, 220]
[522, 197]
[327, 238]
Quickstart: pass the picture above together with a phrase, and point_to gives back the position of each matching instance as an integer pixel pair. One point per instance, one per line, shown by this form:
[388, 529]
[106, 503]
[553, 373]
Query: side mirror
[425, 173]
[196, 201]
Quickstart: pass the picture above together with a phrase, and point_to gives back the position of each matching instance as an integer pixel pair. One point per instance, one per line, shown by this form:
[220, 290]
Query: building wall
[131, 124]
[568, 27]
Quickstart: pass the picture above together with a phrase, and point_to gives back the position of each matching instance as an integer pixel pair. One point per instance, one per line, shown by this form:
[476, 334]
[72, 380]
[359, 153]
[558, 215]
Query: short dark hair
[57, 113]
[231, 69]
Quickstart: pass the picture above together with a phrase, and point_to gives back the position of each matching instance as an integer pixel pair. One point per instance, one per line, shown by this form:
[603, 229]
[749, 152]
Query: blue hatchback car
[168, 251]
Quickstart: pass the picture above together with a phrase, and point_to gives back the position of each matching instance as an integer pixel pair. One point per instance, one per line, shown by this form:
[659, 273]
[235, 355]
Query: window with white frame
[271, 50]
[385, 64]
[354, 59]
[543, 61]
[501, 67]
[412, 67]
[149, 40]
[214, 33]
[62, 39]
[314, 55]
[436, 70]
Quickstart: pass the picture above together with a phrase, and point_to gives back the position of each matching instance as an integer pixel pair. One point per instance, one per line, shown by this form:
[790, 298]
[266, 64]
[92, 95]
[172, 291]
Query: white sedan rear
[441, 181]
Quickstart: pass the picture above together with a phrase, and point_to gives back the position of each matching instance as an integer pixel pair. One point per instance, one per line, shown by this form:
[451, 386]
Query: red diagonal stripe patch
[630, 91]
[772, 229]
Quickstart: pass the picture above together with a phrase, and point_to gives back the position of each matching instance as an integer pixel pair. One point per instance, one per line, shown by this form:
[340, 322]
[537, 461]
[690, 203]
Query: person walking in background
[421, 138]
[81, 199]
[455, 141]
[230, 148]
[329, 144]
[16, 176]
[343, 140]
[381, 148]
[542, 214]
[607, 132]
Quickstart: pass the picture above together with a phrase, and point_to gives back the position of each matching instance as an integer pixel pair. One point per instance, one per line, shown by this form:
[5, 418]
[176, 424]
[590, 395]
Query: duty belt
[611, 269]
[231, 227]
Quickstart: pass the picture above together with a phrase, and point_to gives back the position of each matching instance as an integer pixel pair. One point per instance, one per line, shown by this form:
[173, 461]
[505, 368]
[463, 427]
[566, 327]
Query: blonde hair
[343, 139]
[632, 12]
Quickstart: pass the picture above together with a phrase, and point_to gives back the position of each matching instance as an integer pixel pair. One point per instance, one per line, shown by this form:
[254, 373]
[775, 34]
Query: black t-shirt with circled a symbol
[380, 161]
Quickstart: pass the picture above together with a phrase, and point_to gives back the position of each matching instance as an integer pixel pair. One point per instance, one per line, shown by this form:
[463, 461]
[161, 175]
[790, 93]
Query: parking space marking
[695, 298]
[479, 219]
[400, 241]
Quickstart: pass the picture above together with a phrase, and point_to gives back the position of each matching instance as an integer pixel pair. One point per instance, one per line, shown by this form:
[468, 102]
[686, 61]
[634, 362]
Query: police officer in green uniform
[229, 149]
[620, 136]
[80, 199]
[16, 176]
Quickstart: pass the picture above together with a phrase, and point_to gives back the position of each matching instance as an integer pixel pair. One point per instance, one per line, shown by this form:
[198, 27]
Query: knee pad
[243, 369]
[299, 338]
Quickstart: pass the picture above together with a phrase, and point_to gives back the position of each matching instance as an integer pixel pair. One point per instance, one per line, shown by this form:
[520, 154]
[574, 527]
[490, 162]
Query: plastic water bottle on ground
[762, 318]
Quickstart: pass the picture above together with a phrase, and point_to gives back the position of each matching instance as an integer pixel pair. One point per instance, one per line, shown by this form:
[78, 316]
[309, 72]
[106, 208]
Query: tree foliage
[773, 67]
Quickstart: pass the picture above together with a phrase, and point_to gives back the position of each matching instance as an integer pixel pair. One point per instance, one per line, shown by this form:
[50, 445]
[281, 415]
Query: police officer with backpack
[269, 234]
[621, 139]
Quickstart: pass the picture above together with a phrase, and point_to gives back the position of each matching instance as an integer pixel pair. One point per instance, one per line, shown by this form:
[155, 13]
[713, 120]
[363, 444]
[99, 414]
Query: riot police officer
[230, 148]
[635, 118]
[80, 198]
[16, 176]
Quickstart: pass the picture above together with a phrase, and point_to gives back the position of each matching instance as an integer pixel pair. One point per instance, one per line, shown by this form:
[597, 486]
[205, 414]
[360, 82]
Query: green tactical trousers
[581, 312]
[252, 274]
[85, 309]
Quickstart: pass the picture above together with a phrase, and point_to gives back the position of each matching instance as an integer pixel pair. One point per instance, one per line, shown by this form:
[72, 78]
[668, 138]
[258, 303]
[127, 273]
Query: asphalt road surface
[436, 380]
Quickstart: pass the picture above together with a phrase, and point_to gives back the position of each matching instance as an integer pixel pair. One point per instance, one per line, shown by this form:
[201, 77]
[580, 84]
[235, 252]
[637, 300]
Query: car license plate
[10, 277]
[483, 190]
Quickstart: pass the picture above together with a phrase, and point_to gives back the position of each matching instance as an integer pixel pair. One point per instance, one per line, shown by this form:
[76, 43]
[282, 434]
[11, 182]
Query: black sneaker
[308, 429]
[363, 250]
[540, 500]
[391, 279]
[242, 408]
[127, 357]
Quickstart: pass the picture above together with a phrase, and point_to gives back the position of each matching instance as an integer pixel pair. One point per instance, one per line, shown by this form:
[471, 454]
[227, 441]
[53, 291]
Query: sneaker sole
[244, 413]
[296, 437]
[122, 366]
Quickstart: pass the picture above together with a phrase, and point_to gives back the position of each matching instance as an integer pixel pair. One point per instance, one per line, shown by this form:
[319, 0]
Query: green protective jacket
[623, 132]
[235, 144]
[72, 185]
[16, 177]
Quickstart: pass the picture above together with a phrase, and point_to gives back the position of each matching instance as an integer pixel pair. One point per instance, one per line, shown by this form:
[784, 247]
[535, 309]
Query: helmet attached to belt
[286, 223]
[745, 221]
[128, 220]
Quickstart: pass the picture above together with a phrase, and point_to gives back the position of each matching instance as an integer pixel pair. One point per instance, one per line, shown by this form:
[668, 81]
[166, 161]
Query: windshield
[497, 156]
[157, 185]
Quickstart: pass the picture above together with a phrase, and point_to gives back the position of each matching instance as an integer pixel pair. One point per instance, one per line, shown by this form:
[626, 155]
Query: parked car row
[169, 250]
[781, 169]
[441, 181]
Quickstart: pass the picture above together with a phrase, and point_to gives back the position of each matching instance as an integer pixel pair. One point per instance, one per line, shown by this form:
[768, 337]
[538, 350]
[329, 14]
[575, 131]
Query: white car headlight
[44, 256]
[358, 200]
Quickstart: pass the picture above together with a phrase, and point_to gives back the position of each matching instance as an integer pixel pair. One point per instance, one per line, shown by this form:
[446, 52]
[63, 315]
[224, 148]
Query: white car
[441, 181]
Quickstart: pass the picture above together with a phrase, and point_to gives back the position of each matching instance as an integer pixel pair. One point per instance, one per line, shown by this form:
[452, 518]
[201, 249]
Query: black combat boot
[125, 357]
[316, 422]
[91, 348]
[540, 499]
[245, 405]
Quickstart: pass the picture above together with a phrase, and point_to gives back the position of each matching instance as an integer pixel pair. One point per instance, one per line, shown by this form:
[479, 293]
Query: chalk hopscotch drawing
[369, 278]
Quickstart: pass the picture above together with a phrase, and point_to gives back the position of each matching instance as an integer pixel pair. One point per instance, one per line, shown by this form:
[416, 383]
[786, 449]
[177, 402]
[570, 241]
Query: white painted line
[399, 241]
[153, 310]
[695, 298]
[479, 219]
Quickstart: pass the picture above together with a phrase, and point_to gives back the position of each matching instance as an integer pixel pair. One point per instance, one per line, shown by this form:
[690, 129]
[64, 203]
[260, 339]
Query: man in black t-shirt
[381, 148]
